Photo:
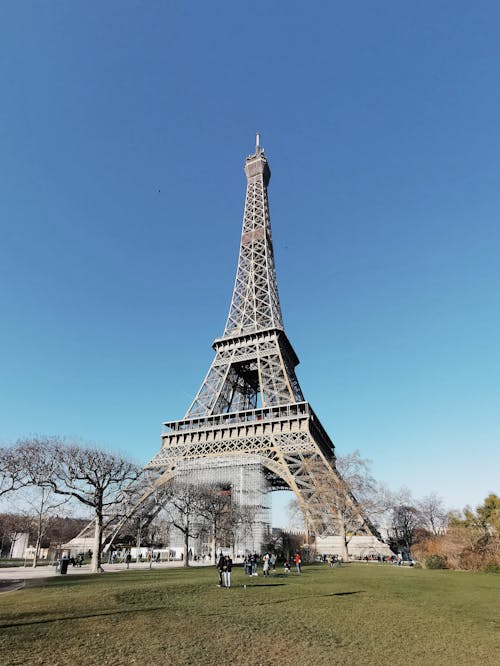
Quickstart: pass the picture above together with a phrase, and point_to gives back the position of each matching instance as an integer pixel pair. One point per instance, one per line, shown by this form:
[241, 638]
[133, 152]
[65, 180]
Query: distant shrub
[436, 562]
[492, 568]
[461, 548]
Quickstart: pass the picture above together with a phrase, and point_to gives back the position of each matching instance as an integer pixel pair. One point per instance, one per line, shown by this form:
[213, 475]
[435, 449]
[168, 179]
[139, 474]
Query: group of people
[251, 562]
[335, 560]
[76, 561]
[297, 560]
[268, 562]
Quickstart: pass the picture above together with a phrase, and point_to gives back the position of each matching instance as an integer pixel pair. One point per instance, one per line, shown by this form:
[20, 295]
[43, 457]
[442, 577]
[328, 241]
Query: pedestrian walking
[128, 559]
[265, 565]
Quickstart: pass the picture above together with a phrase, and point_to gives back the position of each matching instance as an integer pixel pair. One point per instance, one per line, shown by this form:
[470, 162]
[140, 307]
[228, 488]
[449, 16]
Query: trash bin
[62, 565]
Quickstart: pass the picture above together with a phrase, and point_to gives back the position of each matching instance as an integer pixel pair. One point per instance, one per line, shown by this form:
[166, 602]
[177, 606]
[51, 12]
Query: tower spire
[255, 304]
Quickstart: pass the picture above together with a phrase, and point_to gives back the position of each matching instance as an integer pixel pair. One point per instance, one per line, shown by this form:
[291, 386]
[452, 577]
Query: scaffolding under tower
[245, 480]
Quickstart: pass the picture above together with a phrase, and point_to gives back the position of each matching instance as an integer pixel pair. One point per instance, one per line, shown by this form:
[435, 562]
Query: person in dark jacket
[221, 564]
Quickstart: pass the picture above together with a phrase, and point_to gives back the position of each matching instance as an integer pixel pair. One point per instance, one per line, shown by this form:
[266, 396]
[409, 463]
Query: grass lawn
[360, 614]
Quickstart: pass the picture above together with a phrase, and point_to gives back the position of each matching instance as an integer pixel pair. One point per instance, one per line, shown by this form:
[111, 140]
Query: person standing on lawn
[272, 561]
[221, 564]
[298, 562]
[227, 571]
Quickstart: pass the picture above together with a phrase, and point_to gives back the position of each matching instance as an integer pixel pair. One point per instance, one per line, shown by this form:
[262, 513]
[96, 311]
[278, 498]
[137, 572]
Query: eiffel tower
[250, 408]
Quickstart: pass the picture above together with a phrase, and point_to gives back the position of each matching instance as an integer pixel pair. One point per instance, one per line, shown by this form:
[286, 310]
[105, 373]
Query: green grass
[359, 614]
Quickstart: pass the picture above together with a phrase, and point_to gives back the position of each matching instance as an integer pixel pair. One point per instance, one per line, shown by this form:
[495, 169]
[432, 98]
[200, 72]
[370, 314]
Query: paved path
[12, 576]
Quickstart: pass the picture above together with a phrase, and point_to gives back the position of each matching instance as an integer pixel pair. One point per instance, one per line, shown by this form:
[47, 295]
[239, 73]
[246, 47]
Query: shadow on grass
[83, 616]
[257, 585]
[310, 596]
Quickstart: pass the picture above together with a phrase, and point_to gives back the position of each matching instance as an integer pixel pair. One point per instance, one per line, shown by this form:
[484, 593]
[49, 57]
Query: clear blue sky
[123, 131]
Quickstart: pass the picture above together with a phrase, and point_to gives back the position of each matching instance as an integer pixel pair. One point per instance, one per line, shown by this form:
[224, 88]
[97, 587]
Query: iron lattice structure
[250, 405]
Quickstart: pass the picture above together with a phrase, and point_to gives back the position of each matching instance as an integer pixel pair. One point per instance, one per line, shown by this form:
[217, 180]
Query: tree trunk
[138, 542]
[96, 553]
[345, 540]
[37, 551]
[186, 547]
[38, 540]
[214, 544]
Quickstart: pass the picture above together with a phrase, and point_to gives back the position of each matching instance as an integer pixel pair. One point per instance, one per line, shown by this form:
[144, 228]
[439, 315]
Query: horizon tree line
[49, 472]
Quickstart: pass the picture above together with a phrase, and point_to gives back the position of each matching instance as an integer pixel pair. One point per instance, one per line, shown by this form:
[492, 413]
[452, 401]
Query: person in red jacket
[298, 562]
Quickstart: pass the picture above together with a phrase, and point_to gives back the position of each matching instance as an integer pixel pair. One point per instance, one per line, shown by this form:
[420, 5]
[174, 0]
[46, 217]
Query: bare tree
[246, 518]
[353, 497]
[159, 530]
[12, 525]
[41, 506]
[295, 518]
[35, 464]
[356, 483]
[216, 509]
[141, 522]
[95, 478]
[61, 529]
[31, 461]
[237, 522]
[11, 473]
[433, 515]
[184, 510]
[140, 502]
[350, 499]
[406, 523]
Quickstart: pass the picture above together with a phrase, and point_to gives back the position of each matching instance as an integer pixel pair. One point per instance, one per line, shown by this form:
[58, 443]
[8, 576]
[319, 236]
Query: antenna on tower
[257, 142]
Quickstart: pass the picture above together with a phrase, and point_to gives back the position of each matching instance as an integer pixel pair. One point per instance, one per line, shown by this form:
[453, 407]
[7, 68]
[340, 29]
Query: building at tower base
[359, 547]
